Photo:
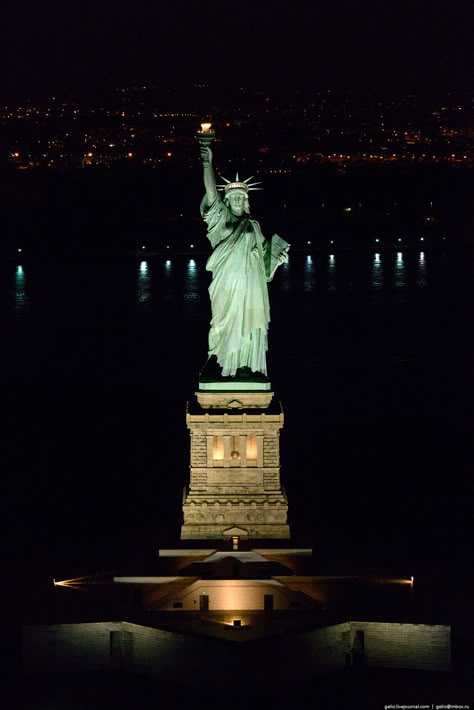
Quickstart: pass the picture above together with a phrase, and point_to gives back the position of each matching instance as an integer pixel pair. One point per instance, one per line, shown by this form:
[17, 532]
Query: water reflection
[308, 276]
[143, 283]
[421, 276]
[332, 273]
[377, 273]
[169, 276]
[191, 282]
[21, 299]
[284, 274]
[400, 271]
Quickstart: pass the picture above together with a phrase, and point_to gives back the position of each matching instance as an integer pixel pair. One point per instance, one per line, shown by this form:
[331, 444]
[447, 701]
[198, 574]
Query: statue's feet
[248, 375]
[212, 372]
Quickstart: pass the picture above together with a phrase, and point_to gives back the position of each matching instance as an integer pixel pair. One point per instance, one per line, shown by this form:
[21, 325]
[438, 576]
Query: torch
[206, 134]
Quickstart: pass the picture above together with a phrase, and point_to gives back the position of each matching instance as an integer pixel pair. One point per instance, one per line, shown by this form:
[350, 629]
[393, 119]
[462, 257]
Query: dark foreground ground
[352, 688]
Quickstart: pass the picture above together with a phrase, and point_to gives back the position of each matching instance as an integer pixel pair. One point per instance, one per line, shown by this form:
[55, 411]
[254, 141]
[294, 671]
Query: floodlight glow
[377, 240]
[80, 583]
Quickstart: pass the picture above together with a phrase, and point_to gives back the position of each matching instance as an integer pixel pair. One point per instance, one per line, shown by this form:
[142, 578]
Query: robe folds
[238, 291]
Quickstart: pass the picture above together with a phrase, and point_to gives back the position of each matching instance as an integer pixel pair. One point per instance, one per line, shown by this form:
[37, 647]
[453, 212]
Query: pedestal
[234, 488]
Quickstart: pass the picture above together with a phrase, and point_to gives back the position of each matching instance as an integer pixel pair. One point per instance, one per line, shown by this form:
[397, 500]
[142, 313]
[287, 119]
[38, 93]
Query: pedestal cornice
[234, 399]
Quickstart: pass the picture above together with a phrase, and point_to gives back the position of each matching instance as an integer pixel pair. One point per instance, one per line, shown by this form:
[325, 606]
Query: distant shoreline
[310, 249]
[25, 255]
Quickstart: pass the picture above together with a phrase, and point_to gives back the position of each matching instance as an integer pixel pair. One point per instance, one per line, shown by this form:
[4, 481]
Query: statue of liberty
[242, 263]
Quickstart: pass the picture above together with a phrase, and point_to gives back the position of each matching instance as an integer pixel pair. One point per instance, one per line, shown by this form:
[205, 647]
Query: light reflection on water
[191, 282]
[377, 279]
[309, 276]
[168, 277]
[21, 298]
[143, 289]
[400, 271]
[421, 272]
[151, 292]
[284, 274]
[181, 280]
[332, 273]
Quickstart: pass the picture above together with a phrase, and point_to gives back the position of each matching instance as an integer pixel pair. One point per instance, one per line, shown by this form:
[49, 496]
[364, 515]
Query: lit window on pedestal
[251, 448]
[218, 448]
[235, 448]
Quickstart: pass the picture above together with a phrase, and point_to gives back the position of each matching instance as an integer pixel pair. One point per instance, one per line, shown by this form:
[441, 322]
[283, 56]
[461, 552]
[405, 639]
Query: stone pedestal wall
[235, 471]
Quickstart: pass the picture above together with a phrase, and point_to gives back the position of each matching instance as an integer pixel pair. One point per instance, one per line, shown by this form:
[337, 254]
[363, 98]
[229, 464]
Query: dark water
[371, 355]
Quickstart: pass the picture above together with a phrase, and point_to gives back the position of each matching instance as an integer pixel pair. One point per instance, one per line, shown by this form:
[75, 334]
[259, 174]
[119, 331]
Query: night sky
[65, 45]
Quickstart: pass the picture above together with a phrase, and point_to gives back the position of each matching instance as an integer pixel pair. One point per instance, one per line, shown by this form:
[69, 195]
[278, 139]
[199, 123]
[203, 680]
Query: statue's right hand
[206, 153]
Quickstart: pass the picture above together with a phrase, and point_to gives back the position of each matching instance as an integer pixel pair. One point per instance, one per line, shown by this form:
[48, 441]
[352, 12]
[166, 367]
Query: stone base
[235, 386]
[213, 518]
[216, 532]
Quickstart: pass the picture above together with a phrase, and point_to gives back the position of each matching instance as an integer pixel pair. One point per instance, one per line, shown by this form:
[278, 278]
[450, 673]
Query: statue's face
[237, 200]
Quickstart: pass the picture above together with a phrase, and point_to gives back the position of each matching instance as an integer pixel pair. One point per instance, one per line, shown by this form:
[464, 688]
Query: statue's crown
[241, 184]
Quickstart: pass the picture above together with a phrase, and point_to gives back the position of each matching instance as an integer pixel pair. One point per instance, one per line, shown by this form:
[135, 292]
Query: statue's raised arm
[209, 175]
[242, 263]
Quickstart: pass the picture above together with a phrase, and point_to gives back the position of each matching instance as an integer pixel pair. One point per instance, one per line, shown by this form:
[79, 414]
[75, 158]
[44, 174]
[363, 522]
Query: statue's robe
[238, 291]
